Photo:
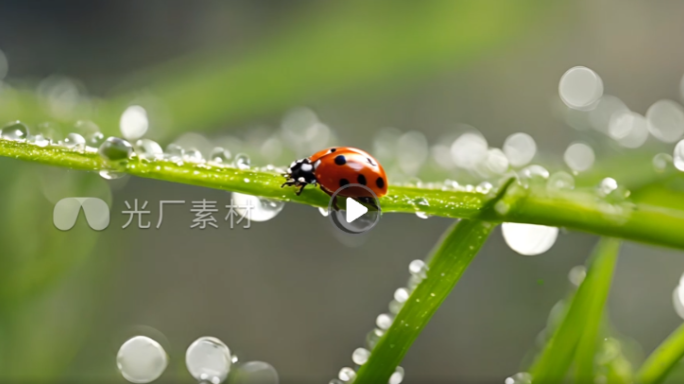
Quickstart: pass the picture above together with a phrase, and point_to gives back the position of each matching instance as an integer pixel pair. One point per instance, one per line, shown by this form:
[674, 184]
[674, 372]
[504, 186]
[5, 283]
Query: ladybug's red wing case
[350, 166]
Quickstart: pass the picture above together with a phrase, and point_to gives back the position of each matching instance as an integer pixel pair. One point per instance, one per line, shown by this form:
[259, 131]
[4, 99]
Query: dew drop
[401, 295]
[347, 374]
[16, 131]
[74, 141]
[395, 307]
[360, 356]
[174, 152]
[220, 155]
[255, 372]
[38, 140]
[95, 139]
[533, 174]
[418, 268]
[579, 157]
[666, 120]
[115, 149]
[397, 377]
[678, 157]
[193, 155]
[323, 211]
[256, 208]
[208, 359]
[529, 239]
[373, 337]
[661, 161]
[384, 321]
[241, 161]
[134, 122]
[577, 275]
[607, 186]
[422, 215]
[519, 378]
[559, 181]
[141, 360]
[111, 175]
[519, 148]
[580, 87]
[148, 149]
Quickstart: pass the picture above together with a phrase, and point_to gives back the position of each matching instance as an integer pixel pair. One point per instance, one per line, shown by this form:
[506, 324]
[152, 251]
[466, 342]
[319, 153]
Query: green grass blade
[661, 362]
[452, 257]
[576, 335]
[580, 210]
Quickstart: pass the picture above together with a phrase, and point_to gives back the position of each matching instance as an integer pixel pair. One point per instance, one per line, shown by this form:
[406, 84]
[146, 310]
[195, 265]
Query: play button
[359, 208]
[354, 210]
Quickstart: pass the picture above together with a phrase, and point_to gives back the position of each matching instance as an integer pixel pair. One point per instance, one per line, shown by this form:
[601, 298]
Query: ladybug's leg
[299, 191]
[370, 201]
[334, 204]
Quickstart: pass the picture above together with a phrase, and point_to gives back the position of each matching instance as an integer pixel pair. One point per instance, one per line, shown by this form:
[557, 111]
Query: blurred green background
[231, 71]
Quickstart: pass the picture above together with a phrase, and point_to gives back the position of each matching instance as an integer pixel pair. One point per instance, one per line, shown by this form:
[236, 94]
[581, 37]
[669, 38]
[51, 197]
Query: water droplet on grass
[529, 239]
[666, 120]
[347, 374]
[422, 215]
[373, 337]
[115, 149]
[208, 359]
[38, 140]
[323, 211]
[384, 321]
[16, 131]
[241, 161]
[398, 376]
[360, 356]
[74, 141]
[519, 378]
[607, 186]
[579, 157]
[678, 157]
[418, 268]
[560, 181]
[577, 275]
[148, 149]
[111, 175]
[256, 208]
[141, 360]
[193, 155]
[255, 372]
[580, 87]
[401, 295]
[174, 152]
[519, 148]
[220, 155]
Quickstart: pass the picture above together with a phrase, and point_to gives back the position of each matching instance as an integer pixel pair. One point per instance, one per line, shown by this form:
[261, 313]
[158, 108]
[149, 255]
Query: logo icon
[354, 210]
[357, 216]
[66, 212]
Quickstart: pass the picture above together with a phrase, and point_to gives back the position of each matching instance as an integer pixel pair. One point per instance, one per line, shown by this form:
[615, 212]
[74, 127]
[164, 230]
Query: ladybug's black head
[301, 172]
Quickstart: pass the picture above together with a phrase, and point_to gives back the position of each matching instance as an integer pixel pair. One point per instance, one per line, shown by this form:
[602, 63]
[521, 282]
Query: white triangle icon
[354, 210]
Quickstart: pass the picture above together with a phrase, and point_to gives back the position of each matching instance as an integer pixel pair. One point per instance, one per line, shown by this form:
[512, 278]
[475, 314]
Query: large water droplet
[580, 87]
[678, 156]
[193, 155]
[256, 208]
[255, 372]
[148, 149]
[579, 157]
[384, 321]
[529, 239]
[347, 374]
[208, 360]
[134, 122]
[241, 161]
[398, 376]
[401, 295]
[220, 155]
[519, 378]
[141, 360]
[519, 148]
[418, 268]
[560, 181]
[174, 152]
[115, 149]
[74, 141]
[666, 120]
[15, 131]
[360, 356]
[469, 150]
[629, 129]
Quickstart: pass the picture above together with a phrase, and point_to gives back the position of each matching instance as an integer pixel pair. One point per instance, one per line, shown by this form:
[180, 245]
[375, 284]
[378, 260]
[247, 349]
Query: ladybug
[336, 167]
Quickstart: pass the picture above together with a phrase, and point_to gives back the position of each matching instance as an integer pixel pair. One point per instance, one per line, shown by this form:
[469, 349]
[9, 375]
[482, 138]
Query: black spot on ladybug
[333, 150]
[340, 160]
[380, 182]
[343, 182]
[370, 161]
[361, 179]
